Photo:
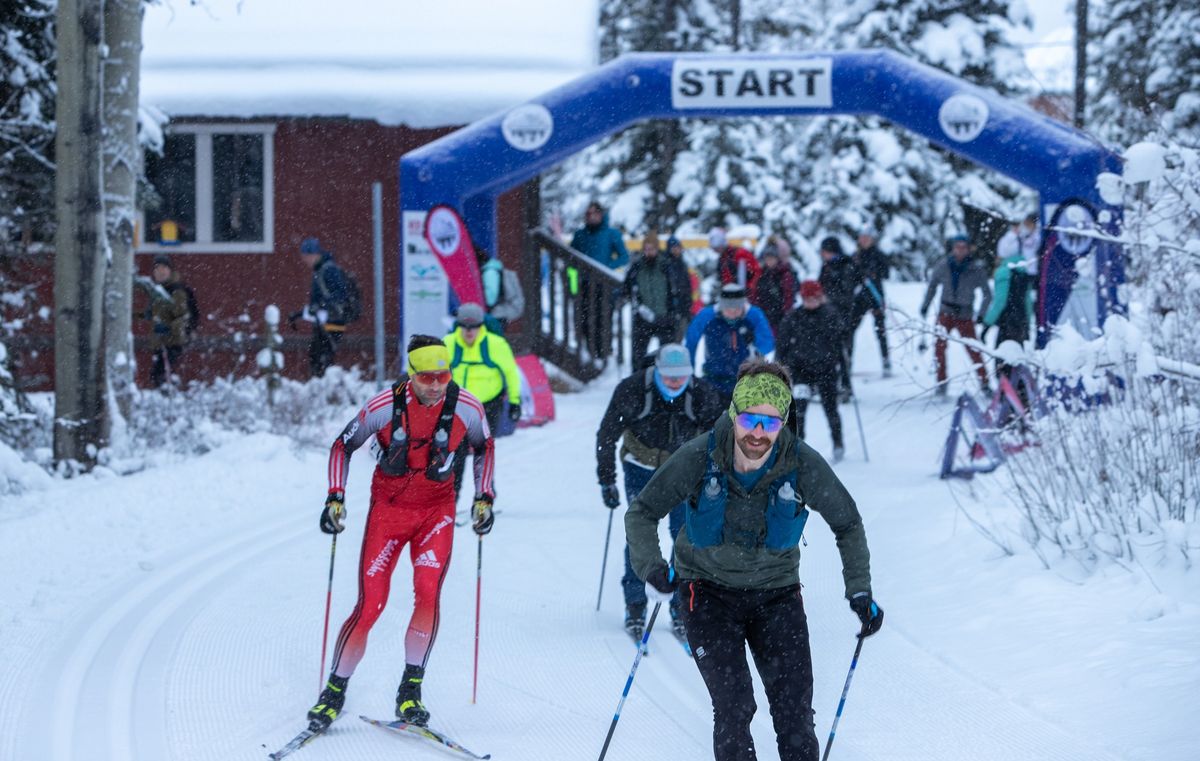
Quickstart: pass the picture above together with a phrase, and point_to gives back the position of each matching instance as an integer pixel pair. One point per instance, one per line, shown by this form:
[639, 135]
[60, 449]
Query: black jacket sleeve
[612, 427]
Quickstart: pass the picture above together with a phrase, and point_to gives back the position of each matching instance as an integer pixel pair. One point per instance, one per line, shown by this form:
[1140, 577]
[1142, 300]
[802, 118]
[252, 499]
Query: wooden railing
[577, 322]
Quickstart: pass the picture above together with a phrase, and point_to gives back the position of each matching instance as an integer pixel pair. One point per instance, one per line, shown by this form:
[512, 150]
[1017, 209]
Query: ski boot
[329, 703]
[941, 391]
[677, 624]
[839, 454]
[887, 367]
[635, 621]
[409, 707]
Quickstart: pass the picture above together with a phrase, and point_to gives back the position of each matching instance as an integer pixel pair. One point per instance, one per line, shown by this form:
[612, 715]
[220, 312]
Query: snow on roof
[423, 64]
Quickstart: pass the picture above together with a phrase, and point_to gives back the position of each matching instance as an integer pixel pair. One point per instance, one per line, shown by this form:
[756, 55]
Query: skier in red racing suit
[412, 502]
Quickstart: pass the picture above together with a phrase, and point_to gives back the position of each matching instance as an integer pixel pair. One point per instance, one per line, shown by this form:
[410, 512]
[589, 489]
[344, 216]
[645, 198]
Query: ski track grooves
[105, 684]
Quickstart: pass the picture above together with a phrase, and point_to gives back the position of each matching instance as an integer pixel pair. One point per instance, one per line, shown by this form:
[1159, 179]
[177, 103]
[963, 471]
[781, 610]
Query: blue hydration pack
[705, 519]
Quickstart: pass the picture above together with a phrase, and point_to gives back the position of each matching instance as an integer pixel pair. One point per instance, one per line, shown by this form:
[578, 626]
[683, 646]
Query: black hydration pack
[441, 460]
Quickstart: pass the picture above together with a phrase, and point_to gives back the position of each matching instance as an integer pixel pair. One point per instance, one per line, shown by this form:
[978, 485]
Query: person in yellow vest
[482, 363]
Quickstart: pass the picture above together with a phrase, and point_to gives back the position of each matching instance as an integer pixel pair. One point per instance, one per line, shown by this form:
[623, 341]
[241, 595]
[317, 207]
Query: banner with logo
[447, 236]
[425, 289]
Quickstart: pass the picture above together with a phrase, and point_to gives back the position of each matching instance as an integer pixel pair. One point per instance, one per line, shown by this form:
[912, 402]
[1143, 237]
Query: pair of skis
[399, 727]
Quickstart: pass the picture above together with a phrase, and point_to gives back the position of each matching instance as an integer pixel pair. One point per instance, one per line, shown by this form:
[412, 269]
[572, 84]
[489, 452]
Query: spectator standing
[840, 280]
[958, 277]
[652, 287]
[775, 290]
[734, 263]
[872, 268]
[328, 306]
[603, 244]
[174, 320]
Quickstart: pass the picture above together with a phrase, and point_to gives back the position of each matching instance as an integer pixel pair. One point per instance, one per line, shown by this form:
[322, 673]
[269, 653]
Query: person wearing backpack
[482, 363]
[333, 302]
[749, 485]
[174, 319]
[502, 294]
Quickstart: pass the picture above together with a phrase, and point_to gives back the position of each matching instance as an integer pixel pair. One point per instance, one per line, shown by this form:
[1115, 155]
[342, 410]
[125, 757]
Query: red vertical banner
[447, 236]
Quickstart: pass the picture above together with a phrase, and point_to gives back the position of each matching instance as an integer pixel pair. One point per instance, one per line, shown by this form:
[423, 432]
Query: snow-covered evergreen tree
[26, 123]
[1145, 60]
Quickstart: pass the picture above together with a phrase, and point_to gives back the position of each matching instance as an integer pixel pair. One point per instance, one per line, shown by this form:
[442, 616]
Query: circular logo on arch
[1076, 226]
[444, 234]
[963, 117]
[528, 127]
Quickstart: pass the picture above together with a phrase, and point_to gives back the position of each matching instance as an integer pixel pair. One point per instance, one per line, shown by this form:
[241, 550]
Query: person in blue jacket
[733, 330]
[603, 244]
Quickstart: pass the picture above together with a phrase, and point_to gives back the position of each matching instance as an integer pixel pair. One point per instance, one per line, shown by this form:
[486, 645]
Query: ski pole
[604, 562]
[842, 702]
[858, 416]
[478, 597]
[328, 604]
[629, 682]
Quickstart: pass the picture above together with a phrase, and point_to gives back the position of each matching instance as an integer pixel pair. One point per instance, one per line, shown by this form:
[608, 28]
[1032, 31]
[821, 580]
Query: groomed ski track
[195, 635]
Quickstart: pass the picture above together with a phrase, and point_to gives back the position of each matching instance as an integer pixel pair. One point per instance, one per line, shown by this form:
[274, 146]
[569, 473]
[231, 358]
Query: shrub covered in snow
[1113, 473]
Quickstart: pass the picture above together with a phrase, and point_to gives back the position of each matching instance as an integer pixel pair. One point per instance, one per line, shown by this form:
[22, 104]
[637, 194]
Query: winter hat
[733, 296]
[769, 250]
[716, 239]
[959, 238]
[811, 289]
[674, 361]
[672, 242]
[164, 260]
[833, 245]
[310, 246]
[869, 229]
[470, 315]
[760, 388]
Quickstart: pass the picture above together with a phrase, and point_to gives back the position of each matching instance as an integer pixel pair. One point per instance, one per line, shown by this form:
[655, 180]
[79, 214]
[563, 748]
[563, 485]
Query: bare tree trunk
[122, 165]
[80, 425]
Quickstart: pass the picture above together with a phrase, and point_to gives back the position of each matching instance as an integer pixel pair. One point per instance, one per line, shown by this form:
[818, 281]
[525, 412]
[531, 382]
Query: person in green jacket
[1011, 309]
[483, 363]
[749, 484]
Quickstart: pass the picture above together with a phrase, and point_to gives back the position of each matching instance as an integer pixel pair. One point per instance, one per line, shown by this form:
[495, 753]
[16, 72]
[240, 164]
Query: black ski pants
[864, 303]
[720, 623]
[826, 385]
[643, 331]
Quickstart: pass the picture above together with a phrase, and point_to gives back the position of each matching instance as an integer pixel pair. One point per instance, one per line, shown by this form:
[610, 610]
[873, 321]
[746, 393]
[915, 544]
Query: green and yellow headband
[760, 388]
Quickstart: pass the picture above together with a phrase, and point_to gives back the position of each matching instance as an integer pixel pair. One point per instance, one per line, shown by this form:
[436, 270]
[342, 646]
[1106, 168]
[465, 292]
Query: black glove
[514, 412]
[610, 495]
[481, 515]
[663, 579]
[868, 612]
[334, 514]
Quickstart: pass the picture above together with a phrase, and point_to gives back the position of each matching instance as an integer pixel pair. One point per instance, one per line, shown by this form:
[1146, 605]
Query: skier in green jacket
[748, 485]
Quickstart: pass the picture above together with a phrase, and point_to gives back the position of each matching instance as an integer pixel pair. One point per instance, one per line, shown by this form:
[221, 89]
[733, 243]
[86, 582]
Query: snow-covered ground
[176, 615]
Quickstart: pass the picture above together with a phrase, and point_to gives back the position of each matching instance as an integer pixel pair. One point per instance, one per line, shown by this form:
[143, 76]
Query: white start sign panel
[760, 83]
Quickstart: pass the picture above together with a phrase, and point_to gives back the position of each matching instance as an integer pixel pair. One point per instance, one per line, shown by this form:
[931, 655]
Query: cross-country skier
[748, 485]
[422, 424]
[958, 277]
[653, 412]
[733, 330]
[810, 345]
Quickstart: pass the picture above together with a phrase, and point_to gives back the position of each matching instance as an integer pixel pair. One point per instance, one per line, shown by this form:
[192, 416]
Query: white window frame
[204, 191]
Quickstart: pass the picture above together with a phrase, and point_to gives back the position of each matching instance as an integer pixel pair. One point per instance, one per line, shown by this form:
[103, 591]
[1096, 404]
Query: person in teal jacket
[1012, 303]
[603, 244]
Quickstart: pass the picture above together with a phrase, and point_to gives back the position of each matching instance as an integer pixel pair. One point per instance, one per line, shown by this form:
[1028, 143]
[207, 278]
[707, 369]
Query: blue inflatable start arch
[471, 167]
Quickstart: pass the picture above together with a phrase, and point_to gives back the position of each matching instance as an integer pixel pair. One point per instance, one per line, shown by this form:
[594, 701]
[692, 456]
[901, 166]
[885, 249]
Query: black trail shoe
[329, 703]
[409, 707]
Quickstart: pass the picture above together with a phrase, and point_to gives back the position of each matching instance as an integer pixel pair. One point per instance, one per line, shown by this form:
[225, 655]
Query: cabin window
[210, 190]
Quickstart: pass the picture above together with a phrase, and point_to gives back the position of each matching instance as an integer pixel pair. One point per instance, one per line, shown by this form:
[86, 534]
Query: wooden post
[80, 425]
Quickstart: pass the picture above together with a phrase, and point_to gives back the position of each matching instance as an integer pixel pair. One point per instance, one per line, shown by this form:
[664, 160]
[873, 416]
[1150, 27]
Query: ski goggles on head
[751, 420]
[432, 376]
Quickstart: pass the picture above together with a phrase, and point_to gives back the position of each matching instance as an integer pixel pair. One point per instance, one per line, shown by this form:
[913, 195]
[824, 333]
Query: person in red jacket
[423, 425]
[775, 290]
[734, 264]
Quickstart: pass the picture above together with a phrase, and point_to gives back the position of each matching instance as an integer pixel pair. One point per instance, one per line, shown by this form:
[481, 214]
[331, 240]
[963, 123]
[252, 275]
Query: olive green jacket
[680, 480]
